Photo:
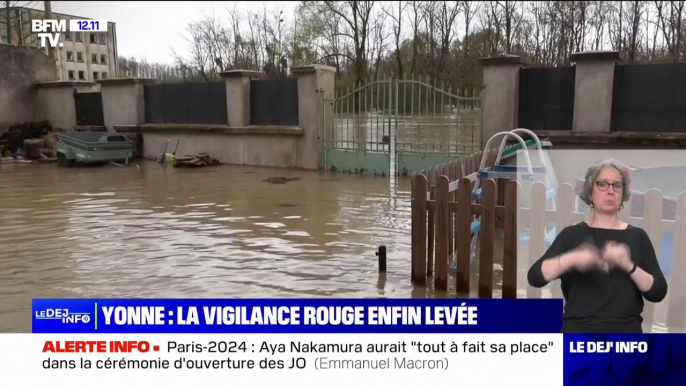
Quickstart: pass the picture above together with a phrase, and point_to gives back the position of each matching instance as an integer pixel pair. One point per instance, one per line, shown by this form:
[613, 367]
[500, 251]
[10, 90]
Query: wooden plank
[676, 313]
[432, 224]
[452, 186]
[511, 236]
[551, 215]
[419, 230]
[442, 219]
[565, 204]
[463, 236]
[536, 230]
[625, 212]
[458, 176]
[652, 213]
[487, 237]
[451, 216]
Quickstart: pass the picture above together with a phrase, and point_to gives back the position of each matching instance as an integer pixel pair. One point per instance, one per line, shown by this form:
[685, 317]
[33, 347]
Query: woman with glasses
[606, 266]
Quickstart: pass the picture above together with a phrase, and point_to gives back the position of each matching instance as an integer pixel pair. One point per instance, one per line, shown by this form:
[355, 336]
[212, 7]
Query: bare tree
[416, 21]
[397, 28]
[356, 15]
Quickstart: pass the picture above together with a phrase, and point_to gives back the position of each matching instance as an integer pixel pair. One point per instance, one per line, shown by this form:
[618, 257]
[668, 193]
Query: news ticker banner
[297, 316]
[302, 341]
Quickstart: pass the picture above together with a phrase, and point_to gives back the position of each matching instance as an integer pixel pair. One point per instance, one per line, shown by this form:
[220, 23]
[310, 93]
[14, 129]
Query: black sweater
[599, 302]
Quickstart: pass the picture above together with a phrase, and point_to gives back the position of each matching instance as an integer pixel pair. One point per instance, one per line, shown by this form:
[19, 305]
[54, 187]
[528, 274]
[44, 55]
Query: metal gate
[399, 126]
[88, 107]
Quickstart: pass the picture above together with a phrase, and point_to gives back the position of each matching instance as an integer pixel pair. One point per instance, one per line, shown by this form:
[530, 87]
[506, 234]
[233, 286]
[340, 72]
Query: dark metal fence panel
[649, 98]
[546, 98]
[89, 109]
[154, 104]
[175, 103]
[274, 102]
[217, 103]
[199, 103]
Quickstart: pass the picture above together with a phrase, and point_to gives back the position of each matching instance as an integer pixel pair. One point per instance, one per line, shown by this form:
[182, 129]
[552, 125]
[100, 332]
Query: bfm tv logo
[64, 315]
[42, 26]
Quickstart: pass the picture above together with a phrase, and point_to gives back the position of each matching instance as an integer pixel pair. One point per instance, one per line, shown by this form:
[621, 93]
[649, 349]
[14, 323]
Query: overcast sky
[151, 28]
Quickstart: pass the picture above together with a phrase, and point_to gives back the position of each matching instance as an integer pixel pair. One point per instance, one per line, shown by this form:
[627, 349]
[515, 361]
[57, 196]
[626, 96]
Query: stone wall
[20, 69]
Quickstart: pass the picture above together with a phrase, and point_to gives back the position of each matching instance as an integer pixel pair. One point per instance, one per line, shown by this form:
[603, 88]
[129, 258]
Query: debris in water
[281, 180]
[290, 204]
[202, 159]
[32, 140]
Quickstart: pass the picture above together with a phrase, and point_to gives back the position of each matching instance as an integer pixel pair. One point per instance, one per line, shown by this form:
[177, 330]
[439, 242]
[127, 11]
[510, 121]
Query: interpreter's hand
[617, 255]
[588, 258]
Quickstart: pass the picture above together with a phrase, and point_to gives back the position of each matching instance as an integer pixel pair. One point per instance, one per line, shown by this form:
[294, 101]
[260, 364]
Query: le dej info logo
[64, 316]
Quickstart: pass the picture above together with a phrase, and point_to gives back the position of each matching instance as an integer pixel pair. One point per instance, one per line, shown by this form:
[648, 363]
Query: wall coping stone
[505, 60]
[613, 139]
[242, 74]
[605, 56]
[119, 81]
[65, 83]
[209, 129]
[312, 68]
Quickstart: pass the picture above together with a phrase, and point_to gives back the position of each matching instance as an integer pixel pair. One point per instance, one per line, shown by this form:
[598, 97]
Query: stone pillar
[238, 95]
[501, 94]
[594, 81]
[123, 101]
[315, 83]
[56, 101]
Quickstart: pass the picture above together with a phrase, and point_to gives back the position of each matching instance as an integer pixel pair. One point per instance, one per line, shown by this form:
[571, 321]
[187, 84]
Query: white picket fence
[670, 314]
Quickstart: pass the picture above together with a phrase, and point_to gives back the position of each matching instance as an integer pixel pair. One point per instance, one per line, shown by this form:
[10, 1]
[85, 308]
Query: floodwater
[152, 231]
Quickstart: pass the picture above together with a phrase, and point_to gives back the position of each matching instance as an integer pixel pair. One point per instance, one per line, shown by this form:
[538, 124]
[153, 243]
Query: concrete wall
[501, 94]
[237, 149]
[58, 104]
[237, 84]
[56, 101]
[314, 84]
[593, 93]
[593, 90]
[123, 101]
[20, 68]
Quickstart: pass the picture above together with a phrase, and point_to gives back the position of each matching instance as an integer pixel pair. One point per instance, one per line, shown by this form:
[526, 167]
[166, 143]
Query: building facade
[86, 56]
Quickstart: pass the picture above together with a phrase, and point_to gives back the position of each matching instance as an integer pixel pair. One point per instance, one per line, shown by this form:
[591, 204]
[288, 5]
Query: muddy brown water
[153, 231]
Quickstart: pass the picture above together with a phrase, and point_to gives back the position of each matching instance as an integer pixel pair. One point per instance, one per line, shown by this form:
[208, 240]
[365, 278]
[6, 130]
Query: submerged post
[382, 258]
[419, 207]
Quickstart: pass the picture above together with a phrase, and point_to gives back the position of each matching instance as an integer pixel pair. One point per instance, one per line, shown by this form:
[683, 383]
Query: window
[94, 58]
[92, 38]
[79, 56]
[77, 37]
[104, 75]
[103, 59]
[102, 38]
[71, 74]
[69, 36]
[95, 75]
[82, 75]
[70, 56]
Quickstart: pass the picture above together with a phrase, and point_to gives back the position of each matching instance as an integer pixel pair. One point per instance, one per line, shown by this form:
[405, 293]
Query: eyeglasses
[604, 185]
